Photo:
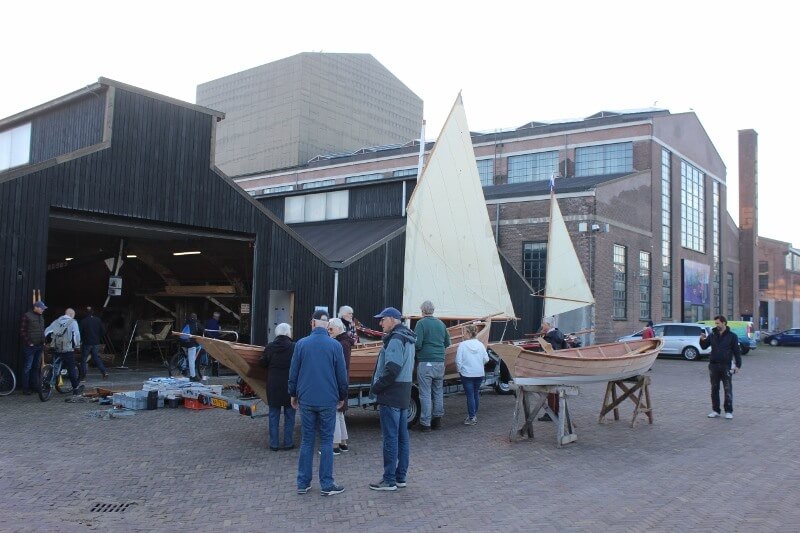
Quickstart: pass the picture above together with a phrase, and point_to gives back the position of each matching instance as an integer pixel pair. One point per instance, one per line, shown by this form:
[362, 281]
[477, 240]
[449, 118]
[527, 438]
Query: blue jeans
[430, 380]
[30, 367]
[95, 357]
[288, 426]
[396, 446]
[472, 388]
[323, 420]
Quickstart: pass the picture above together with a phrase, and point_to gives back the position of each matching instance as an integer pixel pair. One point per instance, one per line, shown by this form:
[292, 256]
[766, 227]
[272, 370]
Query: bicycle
[179, 362]
[54, 376]
[8, 381]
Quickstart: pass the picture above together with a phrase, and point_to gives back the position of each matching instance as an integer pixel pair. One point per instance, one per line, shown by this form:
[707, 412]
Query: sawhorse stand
[639, 394]
[533, 398]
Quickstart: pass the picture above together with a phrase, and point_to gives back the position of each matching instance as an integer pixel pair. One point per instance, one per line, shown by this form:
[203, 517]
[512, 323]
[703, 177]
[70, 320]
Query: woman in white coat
[470, 358]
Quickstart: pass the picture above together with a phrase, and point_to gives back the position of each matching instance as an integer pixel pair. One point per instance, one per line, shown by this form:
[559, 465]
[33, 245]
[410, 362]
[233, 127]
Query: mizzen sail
[566, 287]
[451, 256]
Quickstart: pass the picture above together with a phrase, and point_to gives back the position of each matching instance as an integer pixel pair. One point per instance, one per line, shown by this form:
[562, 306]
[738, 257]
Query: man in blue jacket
[391, 384]
[317, 386]
[724, 349]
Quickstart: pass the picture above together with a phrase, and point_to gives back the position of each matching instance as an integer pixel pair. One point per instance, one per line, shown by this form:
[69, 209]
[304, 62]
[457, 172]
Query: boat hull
[575, 366]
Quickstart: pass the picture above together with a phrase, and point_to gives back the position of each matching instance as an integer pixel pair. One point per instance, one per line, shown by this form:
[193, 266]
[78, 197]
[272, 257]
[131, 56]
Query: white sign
[115, 286]
[244, 309]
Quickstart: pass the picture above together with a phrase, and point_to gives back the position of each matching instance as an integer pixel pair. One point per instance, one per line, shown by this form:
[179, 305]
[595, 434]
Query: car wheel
[690, 353]
[774, 342]
[413, 408]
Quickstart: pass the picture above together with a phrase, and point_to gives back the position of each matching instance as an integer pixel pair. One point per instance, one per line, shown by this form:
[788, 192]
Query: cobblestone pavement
[205, 470]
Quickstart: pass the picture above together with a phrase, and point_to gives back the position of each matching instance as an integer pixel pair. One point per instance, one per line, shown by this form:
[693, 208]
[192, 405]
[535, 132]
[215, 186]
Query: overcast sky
[735, 66]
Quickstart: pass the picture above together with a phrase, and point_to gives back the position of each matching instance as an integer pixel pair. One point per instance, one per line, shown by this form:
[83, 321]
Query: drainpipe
[335, 293]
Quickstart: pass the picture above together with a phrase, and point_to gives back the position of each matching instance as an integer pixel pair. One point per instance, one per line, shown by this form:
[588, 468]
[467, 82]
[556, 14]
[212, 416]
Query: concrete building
[778, 285]
[284, 113]
[643, 193]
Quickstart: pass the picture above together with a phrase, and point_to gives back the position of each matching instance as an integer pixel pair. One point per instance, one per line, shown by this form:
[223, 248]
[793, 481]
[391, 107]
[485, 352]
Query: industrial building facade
[643, 194]
[285, 113]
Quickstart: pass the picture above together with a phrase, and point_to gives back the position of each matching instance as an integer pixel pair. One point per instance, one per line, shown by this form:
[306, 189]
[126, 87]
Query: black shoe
[344, 447]
[424, 429]
[545, 418]
[274, 449]
[383, 485]
[436, 422]
[303, 490]
[194, 379]
[333, 489]
[78, 390]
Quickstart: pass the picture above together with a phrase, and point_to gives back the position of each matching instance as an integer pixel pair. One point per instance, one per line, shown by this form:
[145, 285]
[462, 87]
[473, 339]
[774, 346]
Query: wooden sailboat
[574, 366]
[451, 258]
[566, 289]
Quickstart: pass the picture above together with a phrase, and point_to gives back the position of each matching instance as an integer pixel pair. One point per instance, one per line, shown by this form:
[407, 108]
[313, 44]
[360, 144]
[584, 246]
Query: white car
[680, 339]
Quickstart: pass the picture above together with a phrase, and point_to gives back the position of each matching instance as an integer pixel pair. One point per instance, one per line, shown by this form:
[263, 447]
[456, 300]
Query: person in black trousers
[92, 333]
[724, 349]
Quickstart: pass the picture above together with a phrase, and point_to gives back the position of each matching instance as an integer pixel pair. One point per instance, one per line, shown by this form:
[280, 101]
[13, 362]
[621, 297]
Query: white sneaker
[729, 416]
[714, 414]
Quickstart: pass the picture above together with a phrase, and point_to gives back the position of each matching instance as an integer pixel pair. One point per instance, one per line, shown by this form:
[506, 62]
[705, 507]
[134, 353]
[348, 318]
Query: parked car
[743, 329]
[784, 338]
[680, 339]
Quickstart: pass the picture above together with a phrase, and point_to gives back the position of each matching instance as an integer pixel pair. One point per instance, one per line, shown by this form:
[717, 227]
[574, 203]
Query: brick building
[778, 284]
[643, 193]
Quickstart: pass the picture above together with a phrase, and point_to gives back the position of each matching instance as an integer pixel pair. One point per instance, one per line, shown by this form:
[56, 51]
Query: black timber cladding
[157, 168]
[68, 128]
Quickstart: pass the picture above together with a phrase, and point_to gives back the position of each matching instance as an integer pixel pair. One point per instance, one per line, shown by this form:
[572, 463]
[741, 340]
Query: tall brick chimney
[748, 224]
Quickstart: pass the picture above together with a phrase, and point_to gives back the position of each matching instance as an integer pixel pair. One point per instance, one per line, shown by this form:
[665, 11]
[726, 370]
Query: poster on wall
[696, 291]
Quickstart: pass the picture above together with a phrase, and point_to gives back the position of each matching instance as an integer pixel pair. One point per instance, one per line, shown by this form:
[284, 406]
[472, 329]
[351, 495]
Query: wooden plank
[186, 290]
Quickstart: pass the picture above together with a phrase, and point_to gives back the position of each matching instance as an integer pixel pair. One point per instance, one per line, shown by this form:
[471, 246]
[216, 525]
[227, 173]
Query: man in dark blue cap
[391, 384]
[317, 386]
[31, 332]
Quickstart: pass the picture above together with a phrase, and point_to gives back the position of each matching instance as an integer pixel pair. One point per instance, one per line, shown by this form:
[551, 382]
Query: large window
[604, 159]
[644, 285]
[486, 171]
[730, 295]
[278, 188]
[534, 264]
[405, 172]
[316, 207]
[15, 147]
[763, 275]
[532, 167]
[693, 212]
[620, 284]
[666, 234]
[715, 248]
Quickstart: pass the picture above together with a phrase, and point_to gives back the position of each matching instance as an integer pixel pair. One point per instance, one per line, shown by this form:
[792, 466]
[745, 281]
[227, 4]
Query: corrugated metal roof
[341, 241]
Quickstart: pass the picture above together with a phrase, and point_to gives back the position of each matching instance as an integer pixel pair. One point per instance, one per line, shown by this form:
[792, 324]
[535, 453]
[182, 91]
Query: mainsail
[566, 287]
[451, 256]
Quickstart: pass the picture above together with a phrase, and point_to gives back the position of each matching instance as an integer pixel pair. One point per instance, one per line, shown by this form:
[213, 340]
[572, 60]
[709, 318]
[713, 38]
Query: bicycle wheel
[177, 364]
[61, 380]
[46, 383]
[8, 381]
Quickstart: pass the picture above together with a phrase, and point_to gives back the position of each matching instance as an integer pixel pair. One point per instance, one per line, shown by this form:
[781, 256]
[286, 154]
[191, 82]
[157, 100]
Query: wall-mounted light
[131, 256]
[186, 253]
[68, 258]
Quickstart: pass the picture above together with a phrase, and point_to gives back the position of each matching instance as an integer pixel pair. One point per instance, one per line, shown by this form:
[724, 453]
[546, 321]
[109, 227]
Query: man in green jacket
[432, 340]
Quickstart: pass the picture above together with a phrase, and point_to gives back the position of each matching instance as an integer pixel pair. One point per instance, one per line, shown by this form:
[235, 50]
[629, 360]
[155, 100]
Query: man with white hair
[432, 340]
[65, 338]
[317, 386]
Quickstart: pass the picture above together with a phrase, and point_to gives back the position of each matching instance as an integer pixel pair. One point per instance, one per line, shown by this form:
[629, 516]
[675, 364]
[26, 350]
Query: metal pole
[335, 293]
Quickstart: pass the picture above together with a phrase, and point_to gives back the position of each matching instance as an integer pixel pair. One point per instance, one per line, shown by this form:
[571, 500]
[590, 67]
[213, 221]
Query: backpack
[62, 337]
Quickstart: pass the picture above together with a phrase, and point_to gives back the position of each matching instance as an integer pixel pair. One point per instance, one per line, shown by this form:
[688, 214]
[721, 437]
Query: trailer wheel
[413, 407]
[501, 387]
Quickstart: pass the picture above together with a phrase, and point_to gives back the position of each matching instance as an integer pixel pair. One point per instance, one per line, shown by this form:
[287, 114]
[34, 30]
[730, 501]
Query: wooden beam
[193, 290]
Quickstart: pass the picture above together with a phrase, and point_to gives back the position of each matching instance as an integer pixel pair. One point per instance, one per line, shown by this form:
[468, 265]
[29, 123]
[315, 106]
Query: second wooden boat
[574, 366]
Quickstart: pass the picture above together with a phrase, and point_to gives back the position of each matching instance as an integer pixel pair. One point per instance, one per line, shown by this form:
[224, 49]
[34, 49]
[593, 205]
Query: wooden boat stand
[531, 399]
[639, 394]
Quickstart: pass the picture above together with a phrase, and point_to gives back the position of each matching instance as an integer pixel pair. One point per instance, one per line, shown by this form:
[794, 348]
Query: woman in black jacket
[277, 359]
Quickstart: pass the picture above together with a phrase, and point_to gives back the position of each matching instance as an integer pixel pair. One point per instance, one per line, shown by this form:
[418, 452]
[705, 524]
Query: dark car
[784, 338]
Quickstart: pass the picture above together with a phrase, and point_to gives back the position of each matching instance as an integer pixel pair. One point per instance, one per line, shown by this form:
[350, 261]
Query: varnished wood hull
[573, 366]
[364, 357]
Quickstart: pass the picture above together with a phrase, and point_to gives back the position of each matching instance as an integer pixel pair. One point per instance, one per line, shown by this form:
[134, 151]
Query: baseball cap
[40, 304]
[319, 314]
[391, 312]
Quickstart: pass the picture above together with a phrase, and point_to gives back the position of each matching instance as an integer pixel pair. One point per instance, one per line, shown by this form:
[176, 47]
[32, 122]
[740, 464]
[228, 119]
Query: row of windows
[316, 207]
[532, 167]
[793, 262]
[604, 159]
[666, 234]
[693, 225]
[15, 147]
[363, 177]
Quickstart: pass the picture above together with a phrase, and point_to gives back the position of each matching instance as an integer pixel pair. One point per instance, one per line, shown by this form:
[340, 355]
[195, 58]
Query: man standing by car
[432, 340]
[724, 348]
[317, 386]
[391, 384]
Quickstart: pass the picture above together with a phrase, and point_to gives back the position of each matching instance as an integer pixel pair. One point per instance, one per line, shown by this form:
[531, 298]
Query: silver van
[680, 339]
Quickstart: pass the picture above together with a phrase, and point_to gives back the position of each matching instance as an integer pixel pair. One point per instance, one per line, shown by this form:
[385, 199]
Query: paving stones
[181, 469]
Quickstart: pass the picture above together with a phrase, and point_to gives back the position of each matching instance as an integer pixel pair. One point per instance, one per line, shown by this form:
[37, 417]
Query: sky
[734, 65]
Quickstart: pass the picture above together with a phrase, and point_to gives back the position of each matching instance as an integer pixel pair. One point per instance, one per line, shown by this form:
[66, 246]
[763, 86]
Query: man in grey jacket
[391, 384]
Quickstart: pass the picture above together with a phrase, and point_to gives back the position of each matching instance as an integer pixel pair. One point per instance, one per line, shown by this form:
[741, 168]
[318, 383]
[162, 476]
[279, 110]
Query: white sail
[566, 287]
[451, 256]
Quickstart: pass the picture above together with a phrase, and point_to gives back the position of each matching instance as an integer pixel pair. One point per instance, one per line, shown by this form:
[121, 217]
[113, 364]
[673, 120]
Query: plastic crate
[137, 400]
[191, 403]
